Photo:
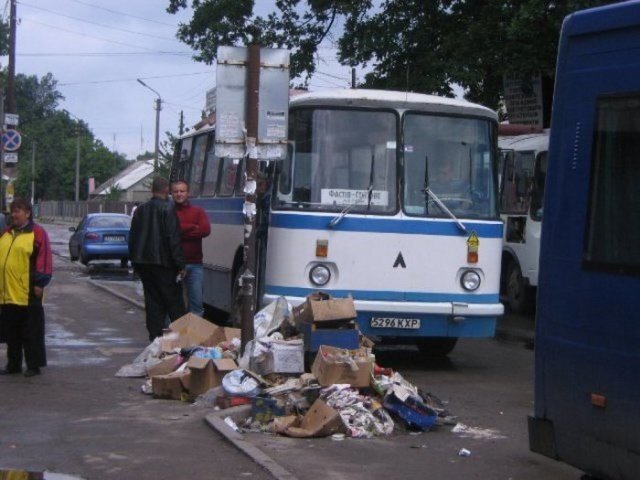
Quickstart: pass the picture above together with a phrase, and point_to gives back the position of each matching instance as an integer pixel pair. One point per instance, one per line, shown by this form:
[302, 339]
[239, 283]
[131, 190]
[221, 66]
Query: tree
[296, 25]
[417, 45]
[57, 137]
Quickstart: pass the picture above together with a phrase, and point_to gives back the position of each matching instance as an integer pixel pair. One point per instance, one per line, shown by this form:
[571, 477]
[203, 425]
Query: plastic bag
[269, 319]
[239, 383]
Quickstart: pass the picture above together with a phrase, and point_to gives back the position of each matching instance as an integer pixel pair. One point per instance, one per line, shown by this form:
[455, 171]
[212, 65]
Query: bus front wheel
[519, 295]
[435, 347]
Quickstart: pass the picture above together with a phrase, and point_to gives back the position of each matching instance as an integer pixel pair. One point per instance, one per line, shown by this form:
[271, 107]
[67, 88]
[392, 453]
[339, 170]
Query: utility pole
[11, 100]
[181, 122]
[77, 197]
[249, 275]
[156, 162]
[33, 173]
[158, 108]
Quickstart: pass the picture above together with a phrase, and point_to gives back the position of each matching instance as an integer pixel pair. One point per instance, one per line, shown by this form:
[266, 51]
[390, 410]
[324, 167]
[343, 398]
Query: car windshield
[109, 221]
[452, 157]
[340, 158]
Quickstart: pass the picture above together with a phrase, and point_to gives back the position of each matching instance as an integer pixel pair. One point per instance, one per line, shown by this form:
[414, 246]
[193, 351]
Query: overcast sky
[97, 49]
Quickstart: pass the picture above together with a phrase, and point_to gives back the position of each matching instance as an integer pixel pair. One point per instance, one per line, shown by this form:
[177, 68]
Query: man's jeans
[193, 287]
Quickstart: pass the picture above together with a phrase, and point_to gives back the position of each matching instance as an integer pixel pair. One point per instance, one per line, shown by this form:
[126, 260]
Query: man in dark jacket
[156, 254]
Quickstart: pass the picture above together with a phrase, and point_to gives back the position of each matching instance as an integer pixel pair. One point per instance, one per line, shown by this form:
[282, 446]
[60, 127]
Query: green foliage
[57, 137]
[114, 193]
[417, 45]
[4, 37]
[299, 26]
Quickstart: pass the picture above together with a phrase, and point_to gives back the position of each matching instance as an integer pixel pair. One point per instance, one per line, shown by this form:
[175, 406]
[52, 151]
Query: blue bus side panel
[588, 322]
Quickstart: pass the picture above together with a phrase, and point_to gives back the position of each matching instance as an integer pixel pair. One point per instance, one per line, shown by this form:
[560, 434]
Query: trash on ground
[345, 393]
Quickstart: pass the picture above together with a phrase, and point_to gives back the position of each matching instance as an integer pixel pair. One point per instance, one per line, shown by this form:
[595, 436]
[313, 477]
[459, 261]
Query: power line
[85, 35]
[132, 79]
[122, 13]
[98, 24]
[101, 54]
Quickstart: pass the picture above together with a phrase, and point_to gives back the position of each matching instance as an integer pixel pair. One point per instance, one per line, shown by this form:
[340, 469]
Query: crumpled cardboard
[322, 309]
[320, 421]
[329, 369]
[173, 385]
[190, 330]
[207, 373]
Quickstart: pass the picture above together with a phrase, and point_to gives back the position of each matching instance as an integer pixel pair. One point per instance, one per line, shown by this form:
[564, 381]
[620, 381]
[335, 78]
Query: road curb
[116, 293]
[216, 421]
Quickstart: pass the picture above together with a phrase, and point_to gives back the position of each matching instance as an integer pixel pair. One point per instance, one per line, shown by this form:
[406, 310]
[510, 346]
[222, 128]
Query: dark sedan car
[101, 236]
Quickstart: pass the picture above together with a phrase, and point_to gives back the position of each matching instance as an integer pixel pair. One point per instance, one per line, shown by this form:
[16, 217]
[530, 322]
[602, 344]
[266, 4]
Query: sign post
[252, 103]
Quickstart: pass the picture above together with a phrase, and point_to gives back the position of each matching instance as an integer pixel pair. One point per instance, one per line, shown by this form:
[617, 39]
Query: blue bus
[587, 359]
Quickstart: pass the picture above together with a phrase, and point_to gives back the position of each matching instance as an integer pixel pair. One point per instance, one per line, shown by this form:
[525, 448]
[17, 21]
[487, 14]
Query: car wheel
[83, 258]
[124, 263]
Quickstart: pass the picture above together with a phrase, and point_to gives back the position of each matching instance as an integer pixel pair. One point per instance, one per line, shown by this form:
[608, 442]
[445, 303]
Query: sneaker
[31, 372]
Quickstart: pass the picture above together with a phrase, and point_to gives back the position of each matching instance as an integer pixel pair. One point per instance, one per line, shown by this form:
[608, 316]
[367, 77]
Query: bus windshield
[452, 156]
[340, 158]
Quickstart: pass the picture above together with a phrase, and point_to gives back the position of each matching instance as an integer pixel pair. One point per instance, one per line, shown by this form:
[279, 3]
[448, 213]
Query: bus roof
[606, 17]
[391, 99]
[524, 143]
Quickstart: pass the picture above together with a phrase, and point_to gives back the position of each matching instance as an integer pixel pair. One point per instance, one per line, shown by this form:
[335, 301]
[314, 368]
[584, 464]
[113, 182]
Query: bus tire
[436, 347]
[520, 296]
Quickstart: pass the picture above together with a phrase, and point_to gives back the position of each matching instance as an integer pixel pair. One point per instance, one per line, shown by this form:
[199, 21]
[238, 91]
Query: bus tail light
[322, 248]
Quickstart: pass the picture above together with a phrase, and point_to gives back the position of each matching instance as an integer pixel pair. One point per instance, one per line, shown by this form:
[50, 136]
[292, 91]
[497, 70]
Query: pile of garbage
[307, 373]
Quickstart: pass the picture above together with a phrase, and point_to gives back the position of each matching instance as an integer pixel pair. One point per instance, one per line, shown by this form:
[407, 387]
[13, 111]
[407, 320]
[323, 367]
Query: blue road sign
[11, 140]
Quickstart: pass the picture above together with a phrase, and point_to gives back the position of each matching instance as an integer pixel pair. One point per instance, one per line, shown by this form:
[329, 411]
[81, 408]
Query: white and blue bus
[359, 208]
[587, 358]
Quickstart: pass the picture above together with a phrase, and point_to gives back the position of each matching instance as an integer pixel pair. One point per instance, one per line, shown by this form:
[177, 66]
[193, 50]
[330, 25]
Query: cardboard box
[207, 373]
[320, 421]
[321, 308]
[329, 368]
[168, 364]
[191, 330]
[335, 337]
[284, 356]
[172, 385]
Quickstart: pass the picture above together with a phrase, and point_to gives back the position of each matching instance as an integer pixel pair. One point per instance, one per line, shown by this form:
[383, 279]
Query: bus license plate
[387, 322]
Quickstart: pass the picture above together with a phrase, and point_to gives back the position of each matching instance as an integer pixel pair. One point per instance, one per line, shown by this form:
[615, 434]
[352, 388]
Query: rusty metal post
[250, 200]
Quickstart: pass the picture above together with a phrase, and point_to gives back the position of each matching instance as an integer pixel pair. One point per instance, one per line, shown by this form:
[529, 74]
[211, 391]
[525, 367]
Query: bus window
[613, 234]
[228, 177]
[197, 165]
[452, 157]
[537, 192]
[517, 182]
[211, 174]
[241, 179]
[181, 160]
[340, 158]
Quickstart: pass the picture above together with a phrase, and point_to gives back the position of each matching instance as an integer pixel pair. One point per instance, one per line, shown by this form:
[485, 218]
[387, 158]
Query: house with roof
[133, 183]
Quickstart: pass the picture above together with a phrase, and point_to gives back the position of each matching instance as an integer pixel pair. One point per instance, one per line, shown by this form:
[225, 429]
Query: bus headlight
[320, 275]
[470, 280]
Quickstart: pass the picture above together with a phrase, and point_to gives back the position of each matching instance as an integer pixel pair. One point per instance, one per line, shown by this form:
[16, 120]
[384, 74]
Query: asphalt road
[78, 418]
